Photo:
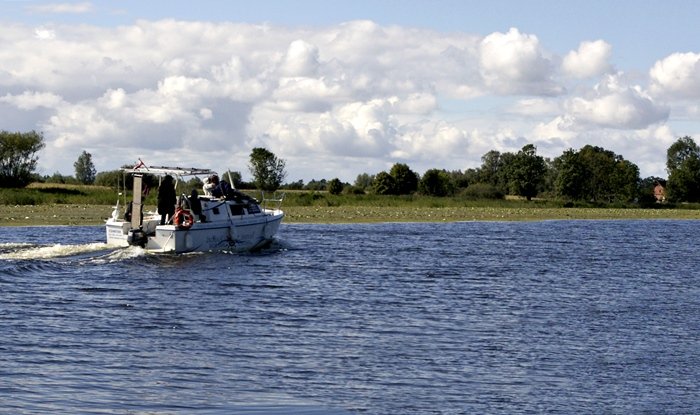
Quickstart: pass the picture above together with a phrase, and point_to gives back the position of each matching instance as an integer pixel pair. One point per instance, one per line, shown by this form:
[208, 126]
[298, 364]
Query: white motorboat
[235, 222]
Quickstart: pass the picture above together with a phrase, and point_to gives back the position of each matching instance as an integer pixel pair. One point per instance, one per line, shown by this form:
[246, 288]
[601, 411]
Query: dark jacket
[166, 196]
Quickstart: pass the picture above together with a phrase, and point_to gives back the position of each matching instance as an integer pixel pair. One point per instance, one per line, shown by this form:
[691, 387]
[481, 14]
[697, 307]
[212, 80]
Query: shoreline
[74, 214]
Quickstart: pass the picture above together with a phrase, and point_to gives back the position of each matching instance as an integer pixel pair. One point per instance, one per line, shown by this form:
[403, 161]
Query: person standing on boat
[196, 205]
[166, 199]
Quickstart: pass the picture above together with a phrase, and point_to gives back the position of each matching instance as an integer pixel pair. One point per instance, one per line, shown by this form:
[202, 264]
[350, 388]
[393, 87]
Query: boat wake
[120, 254]
[39, 252]
[102, 253]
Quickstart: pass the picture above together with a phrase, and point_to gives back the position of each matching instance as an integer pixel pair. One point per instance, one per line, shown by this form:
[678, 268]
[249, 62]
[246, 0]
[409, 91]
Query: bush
[335, 186]
[482, 191]
[353, 190]
[436, 183]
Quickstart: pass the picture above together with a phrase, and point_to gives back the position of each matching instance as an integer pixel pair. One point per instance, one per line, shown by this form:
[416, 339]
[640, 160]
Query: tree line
[590, 174]
[18, 160]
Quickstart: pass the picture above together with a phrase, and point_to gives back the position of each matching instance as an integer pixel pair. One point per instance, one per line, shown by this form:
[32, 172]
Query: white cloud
[513, 63]
[613, 104]
[60, 8]
[43, 33]
[301, 59]
[536, 107]
[30, 100]
[357, 93]
[591, 59]
[677, 75]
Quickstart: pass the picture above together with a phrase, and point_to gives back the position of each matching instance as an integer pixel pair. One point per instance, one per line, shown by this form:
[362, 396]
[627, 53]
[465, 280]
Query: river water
[448, 318]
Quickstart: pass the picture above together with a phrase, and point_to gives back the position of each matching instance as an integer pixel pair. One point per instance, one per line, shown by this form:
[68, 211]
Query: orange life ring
[183, 219]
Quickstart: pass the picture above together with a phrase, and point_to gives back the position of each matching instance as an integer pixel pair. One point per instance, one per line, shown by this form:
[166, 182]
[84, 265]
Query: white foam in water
[53, 251]
[121, 254]
[13, 245]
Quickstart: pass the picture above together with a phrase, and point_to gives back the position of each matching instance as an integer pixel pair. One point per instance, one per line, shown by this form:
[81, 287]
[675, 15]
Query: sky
[338, 89]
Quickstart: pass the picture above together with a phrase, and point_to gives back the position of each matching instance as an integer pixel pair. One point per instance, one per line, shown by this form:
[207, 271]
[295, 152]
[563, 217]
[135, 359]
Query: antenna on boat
[141, 164]
[233, 185]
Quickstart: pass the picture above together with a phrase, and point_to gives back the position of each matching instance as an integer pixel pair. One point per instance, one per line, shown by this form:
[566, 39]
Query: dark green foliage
[364, 181]
[18, 157]
[462, 180]
[318, 185]
[112, 178]
[496, 169]
[405, 179]
[195, 183]
[335, 186]
[298, 185]
[116, 179]
[268, 171]
[85, 169]
[571, 176]
[490, 166]
[436, 183]
[679, 152]
[60, 194]
[384, 184]
[304, 198]
[683, 165]
[526, 172]
[58, 178]
[482, 191]
[234, 178]
[596, 175]
[353, 190]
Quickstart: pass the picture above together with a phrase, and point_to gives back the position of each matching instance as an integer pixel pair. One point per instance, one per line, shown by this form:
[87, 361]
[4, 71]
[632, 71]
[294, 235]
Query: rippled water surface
[506, 318]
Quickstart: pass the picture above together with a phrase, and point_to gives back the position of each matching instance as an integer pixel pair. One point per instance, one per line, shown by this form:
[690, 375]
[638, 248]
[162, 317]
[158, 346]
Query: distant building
[660, 191]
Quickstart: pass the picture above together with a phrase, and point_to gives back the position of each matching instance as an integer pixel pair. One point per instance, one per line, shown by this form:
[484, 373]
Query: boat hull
[243, 233]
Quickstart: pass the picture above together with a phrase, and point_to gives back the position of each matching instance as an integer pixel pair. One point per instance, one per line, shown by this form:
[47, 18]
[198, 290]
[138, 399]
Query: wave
[34, 252]
[13, 246]
[120, 254]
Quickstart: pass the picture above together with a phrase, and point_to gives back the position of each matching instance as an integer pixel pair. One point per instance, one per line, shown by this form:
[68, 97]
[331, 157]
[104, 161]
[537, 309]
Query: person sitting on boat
[196, 205]
[166, 199]
[225, 189]
[209, 185]
[217, 188]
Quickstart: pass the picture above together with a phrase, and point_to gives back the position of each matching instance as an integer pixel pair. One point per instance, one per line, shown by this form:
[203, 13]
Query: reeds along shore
[56, 204]
[82, 214]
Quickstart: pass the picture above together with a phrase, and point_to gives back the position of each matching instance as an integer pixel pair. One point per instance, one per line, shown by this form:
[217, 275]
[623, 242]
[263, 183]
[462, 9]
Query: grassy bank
[70, 214]
[91, 205]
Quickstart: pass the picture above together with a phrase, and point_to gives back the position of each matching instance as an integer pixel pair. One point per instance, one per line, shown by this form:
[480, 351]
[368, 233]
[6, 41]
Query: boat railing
[273, 201]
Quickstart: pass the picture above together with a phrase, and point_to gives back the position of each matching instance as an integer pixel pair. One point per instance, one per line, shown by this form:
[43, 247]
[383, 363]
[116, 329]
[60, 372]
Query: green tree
[405, 178]
[335, 186]
[268, 171]
[462, 180]
[59, 178]
[384, 184]
[683, 166]
[317, 185]
[84, 168]
[297, 185]
[496, 170]
[597, 175]
[624, 181]
[490, 165]
[235, 178]
[364, 181]
[18, 157]
[436, 183]
[571, 175]
[527, 172]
